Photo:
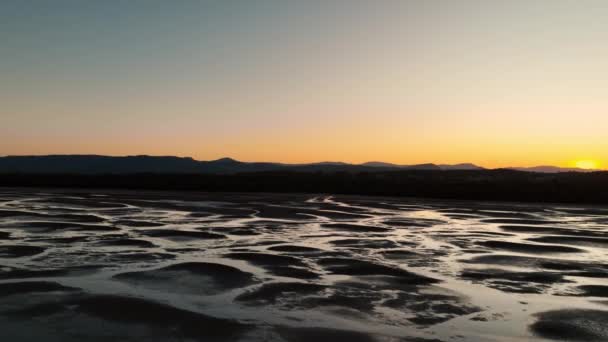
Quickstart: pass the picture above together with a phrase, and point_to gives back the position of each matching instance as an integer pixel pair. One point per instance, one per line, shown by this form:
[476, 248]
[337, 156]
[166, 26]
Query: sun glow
[587, 164]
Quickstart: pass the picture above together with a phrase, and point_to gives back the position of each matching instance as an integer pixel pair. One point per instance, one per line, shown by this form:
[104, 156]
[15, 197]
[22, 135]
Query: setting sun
[587, 164]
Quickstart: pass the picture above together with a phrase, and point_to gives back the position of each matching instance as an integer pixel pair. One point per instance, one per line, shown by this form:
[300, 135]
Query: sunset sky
[496, 83]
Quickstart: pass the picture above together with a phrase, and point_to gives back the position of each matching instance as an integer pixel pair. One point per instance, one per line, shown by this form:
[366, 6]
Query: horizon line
[300, 163]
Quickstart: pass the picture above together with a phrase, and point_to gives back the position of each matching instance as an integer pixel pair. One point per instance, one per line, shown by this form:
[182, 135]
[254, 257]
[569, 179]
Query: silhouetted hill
[96, 164]
[379, 164]
[384, 165]
[463, 166]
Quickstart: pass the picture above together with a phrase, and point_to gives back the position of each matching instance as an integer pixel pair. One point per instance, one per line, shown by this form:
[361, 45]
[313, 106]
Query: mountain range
[98, 164]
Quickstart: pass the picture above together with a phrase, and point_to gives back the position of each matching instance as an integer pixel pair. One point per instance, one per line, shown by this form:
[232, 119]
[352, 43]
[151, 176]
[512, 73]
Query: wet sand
[167, 266]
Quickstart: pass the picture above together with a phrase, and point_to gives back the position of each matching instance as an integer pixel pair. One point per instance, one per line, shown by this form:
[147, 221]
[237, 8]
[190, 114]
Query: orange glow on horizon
[587, 164]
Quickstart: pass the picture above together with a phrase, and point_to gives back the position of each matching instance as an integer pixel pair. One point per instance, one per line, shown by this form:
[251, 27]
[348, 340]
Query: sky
[496, 83]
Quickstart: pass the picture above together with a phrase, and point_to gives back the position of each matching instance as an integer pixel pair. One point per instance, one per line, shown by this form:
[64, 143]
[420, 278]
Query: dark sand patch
[459, 240]
[553, 231]
[529, 248]
[338, 215]
[292, 272]
[272, 223]
[191, 277]
[126, 242]
[244, 244]
[120, 211]
[508, 260]
[594, 290]
[134, 257]
[28, 287]
[179, 235]
[365, 243]
[280, 212]
[19, 251]
[95, 257]
[52, 217]
[279, 265]
[355, 267]
[520, 221]
[374, 205]
[345, 301]
[294, 249]
[197, 215]
[600, 242]
[431, 308]
[518, 282]
[424, 304]
[529, 261]
[400, 254]
[87, 203]
[427, 257]
[272, 292]
[566, 267]
[337, 207]
[15, 213]
[585, 211]
[262, 259]
[162, 322]
[475, 251]
[7, 272]
[240, 231]
[62, 240]
[377, 282]
[486, 213]
[50, 227]
[490, 233]
[78, 218]
[505, 214]
[355, 228]
[137, 223]
[413, 223]
[456, 210]
[462, 216]
[184, 205]
[572, 325]
[296, 210]
[225, 212]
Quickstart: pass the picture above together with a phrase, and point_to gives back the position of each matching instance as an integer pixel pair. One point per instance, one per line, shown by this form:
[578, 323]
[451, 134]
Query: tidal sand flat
[97, 265]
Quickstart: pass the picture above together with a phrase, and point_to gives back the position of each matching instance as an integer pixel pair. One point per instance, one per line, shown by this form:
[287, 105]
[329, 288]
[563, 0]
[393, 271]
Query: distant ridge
[428, 166]
[99, 164]
[463, 166]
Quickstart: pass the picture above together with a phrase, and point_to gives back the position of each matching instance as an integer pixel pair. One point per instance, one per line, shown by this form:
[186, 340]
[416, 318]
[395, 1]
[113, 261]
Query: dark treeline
[505, 185]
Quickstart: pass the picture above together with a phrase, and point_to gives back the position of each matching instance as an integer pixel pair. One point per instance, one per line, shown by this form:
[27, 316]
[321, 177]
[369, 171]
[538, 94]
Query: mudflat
[170, 266]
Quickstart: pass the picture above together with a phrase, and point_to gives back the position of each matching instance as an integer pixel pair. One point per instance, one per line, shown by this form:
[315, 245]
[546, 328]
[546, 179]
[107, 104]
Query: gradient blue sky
[498, 83]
